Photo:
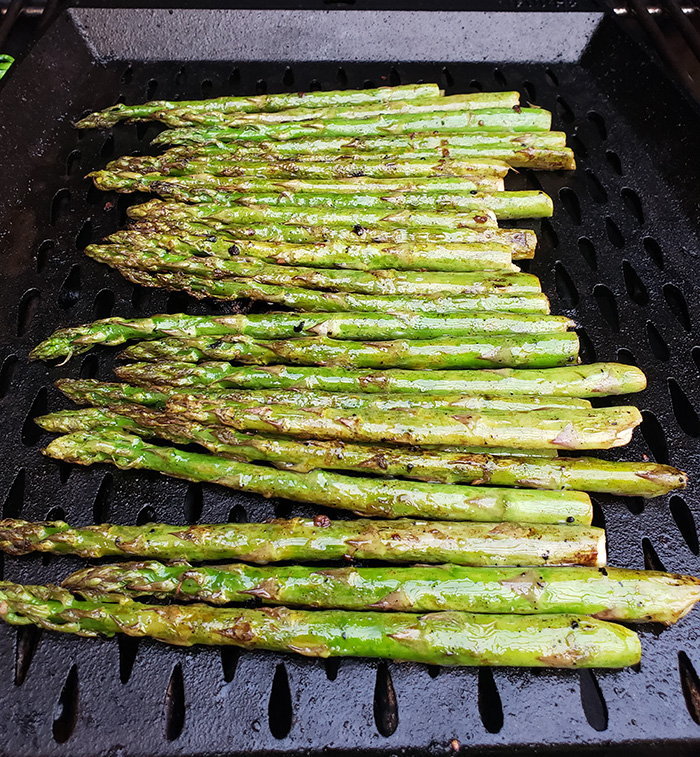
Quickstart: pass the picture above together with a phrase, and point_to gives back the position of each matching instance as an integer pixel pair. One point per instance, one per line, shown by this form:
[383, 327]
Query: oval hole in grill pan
[587, 250]
[14, 500]
[636, 289]
[26, 311]
[657, 342]
[651, 560]
[31, 433]
[683, 409]
[66, 715]
[279, 708]
[28, 638]
[677, 304]
[565, 286]
[101, 505]
[175, 705]
[128, 649]
[229, 662]
[633, 204]
[7, 372]
[595, 188]
[690, 685]
[569, 199]
[685, 522]
[607, 306]
[614, 160]
[490, 706]
[594, 707]
[386, 706]
[654, 436]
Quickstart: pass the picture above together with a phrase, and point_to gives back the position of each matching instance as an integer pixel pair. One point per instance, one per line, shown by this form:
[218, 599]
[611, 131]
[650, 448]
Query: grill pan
[620, 256]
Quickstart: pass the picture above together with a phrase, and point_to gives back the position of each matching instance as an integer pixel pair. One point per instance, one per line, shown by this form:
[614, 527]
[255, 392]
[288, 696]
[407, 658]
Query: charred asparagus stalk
[613, 594]
[363, 496]
[309, 300]
[444, 638]
[184, 117]
[597, 428]
[190, 220]
[396, 541]
[593, 380]
[527, 351]
[361, 282]
[582, 474]
[364, 257]
[354, 326]
[151, 111]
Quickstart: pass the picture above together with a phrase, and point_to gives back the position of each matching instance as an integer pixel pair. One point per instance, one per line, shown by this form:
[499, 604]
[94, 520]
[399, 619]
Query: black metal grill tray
[620, 255]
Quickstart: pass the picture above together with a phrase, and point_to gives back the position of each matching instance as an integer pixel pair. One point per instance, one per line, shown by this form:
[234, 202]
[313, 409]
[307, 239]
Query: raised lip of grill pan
[619, 256]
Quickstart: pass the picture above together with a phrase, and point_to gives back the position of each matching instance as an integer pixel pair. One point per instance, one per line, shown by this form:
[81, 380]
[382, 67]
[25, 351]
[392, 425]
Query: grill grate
[619, 256]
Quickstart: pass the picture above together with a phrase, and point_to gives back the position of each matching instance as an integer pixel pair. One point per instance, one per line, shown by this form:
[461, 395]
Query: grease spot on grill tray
[386, 706]
[594, 707]
[175, 705]
[66, 713]
[279, 708]
[489, 701]
[690, 685]
[686, 523]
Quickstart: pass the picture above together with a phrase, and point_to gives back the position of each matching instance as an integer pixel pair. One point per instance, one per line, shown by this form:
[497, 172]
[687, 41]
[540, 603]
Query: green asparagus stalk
[151, 111]
[122, 180]
[593, 380]
[478, 220]
[215, 142]
[385, 283]
[356, 326]
[183, 117]
[486, 119]
[321, 539]
[205, 188]
[373, 497]
[613, 594]
[522, 242]
[581, 474]
[442, 638]
[531, 351]
[596, 428]
[371, 167]
[363, 257]
[137, 412]
[310, 300]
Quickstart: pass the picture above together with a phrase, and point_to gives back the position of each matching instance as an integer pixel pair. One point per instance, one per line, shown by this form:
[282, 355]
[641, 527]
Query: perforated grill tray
[620, 256]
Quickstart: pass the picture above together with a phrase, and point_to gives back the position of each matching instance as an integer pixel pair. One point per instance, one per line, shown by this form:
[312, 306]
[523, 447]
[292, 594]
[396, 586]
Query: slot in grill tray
[620, 256]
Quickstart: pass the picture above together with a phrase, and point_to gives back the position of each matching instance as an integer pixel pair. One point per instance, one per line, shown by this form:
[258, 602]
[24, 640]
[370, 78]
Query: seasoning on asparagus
[592, 380]
[354, 326]
[635, 479]
[387, 498]
[638, 596]
[322, 539]
[151, 111]
[443, 638]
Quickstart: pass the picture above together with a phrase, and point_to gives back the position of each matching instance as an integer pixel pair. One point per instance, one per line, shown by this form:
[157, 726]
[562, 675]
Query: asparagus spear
[478, 220]
[207, 142]
[374, 497]
[613, 594]
[367, 257]
[371, 167]
[443, 638]
[321, 539]
[121, 180]
[597, 428]
[183, 117]
[151, 111]
[531, 351]
[309, 300]
[385, 283]
[487, 119]
[512, 469]
[593, 380]
[207, 188]
[358, 326]
[190, 221]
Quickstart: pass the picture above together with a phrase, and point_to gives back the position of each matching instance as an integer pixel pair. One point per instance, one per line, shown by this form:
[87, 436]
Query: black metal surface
[620, 255]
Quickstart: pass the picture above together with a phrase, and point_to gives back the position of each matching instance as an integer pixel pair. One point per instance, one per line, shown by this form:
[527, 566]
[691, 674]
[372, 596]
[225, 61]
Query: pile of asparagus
[422, 385]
